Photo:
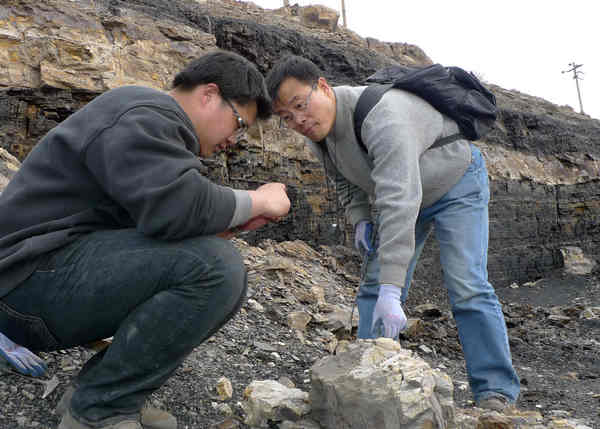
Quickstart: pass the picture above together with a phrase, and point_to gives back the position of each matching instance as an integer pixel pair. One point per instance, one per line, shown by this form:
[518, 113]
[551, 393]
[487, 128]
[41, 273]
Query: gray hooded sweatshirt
[399, 175]
[127, 159]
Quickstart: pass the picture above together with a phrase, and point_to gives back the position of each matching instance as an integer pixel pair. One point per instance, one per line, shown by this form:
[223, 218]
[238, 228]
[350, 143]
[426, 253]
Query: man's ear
[322, 83]
[213, 88]
[208, 92]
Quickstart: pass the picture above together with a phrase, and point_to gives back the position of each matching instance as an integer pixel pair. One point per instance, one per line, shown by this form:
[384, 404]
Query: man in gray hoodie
[111, 228]
[412, 187]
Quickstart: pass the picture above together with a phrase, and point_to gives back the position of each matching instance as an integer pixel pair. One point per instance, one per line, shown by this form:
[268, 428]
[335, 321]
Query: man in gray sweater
[110, 228]
[412, 188]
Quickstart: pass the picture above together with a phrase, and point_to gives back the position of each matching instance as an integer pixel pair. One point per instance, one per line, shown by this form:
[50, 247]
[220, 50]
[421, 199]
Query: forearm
[396, 146]
[243, 208]
[258, 203]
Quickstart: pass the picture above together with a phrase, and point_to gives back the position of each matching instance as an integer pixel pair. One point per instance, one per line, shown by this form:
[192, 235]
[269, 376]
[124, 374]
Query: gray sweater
[128, 159]
[398, 174]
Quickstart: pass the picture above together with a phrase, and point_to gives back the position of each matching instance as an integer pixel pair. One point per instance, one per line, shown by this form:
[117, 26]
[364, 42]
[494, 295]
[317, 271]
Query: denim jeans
[461, 229]
[158, 299]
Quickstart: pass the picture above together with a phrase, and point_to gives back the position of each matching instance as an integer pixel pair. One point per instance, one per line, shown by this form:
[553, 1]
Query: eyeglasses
[287, 118]
[240, 132]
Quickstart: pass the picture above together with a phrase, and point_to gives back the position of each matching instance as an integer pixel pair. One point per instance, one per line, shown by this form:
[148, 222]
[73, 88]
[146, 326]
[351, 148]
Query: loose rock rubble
[298, 312]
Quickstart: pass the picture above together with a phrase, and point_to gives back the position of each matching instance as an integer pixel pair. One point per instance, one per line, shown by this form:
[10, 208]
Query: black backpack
[451, 90]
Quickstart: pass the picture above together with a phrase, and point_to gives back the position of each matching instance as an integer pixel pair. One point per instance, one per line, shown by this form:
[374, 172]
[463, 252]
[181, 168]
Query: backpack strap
[368, 99]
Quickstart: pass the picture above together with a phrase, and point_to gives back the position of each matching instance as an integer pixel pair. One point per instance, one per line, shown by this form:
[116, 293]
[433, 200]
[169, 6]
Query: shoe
[152, 418]
[495, 403]
[68, 422]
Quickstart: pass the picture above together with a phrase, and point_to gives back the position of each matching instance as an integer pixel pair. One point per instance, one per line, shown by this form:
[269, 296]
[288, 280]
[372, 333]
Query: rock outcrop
[8, 166]
[57, 55]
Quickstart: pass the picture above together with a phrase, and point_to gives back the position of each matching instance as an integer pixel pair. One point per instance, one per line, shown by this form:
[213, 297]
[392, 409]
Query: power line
[577, 77]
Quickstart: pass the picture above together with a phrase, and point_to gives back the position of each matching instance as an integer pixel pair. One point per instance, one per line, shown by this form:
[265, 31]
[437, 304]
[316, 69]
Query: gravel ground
[556, 350]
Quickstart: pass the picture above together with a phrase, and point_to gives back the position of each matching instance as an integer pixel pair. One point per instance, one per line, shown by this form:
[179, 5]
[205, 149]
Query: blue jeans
[461, 228]
[158, 299]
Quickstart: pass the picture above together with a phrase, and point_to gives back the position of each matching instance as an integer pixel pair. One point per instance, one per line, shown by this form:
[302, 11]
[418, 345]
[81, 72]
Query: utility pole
[344, 13]
[577, 77]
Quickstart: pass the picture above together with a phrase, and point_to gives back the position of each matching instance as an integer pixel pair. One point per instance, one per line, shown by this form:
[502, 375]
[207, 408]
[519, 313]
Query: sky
[522, 45]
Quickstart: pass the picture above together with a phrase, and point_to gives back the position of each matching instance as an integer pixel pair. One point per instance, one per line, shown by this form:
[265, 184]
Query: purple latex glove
[21, 358]
[388, 317]
[363, 236]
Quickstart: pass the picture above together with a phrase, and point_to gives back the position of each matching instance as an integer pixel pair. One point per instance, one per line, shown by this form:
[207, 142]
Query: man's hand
[270, 201]
[21, 358]
[363, 236]
[388, 317]
[269, 204]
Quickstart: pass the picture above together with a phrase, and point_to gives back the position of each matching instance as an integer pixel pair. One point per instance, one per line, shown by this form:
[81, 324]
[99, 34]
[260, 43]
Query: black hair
[293, 66]
[237, 78]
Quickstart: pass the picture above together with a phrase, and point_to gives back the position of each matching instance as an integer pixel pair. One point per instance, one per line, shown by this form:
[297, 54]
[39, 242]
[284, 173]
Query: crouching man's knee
[213, 274]
[230, 265]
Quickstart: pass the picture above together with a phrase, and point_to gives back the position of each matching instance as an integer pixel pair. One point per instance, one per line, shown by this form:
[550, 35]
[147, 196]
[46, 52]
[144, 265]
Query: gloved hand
[388, 317]
[21, 358]
[363, 236]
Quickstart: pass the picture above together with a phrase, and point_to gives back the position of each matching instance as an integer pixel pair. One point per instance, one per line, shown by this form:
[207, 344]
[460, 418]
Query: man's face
[219, 123]
[308, 110]
[227, 124]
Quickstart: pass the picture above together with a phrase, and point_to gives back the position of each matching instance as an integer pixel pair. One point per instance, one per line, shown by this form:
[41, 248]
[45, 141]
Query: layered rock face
[9, 165]
[56, 55]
